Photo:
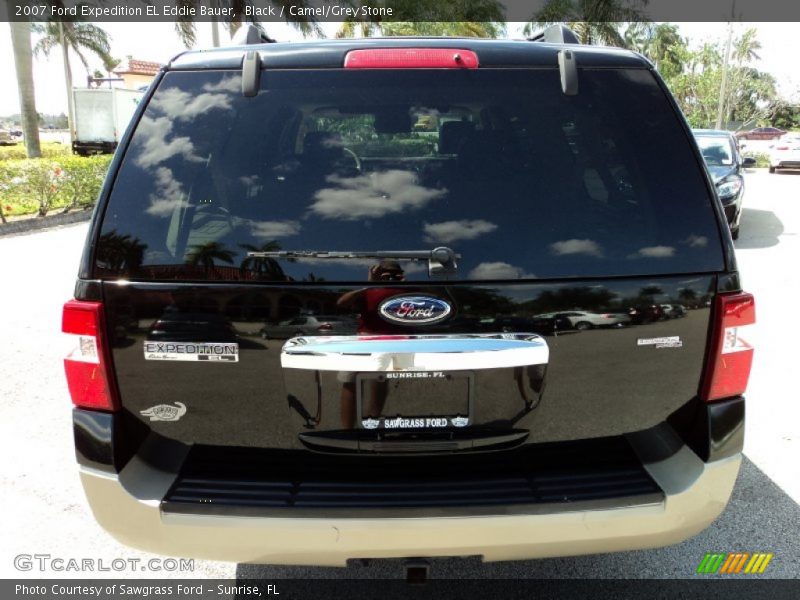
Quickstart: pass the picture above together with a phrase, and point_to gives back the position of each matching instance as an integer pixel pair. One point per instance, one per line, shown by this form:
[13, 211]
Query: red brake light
[728, 367]
[782, 148]
[89, 381]
[411, 58]
[325, 327]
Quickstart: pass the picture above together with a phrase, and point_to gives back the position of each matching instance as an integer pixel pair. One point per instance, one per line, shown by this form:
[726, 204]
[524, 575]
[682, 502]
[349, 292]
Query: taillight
[411, 58]
[782, 148]
[325, 327]
[731, 357]
[88, 378]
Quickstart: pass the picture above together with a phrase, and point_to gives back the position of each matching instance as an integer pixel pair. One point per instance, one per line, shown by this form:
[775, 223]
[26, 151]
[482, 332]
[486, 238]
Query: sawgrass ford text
[143, 591]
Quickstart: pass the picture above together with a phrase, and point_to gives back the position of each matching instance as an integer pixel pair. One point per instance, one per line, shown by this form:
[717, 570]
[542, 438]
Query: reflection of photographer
[366, 301]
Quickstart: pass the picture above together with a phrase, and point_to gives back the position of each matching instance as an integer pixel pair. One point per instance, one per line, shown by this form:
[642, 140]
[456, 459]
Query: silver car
[309, 325]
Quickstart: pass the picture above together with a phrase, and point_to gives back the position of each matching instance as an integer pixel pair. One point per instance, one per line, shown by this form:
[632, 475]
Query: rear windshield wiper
[441, 261]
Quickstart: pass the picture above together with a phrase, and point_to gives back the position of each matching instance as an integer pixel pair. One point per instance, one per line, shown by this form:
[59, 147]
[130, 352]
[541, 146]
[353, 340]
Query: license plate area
[414, 400]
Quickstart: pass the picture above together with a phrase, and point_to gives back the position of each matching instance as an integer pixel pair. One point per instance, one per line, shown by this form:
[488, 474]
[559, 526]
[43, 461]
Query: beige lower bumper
[128, 507]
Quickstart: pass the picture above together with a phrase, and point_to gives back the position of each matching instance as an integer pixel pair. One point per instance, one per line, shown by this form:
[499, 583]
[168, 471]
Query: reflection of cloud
[372, 196]
[274, 229]
[152, 134]
[173, 104]
[575, 246]
[168, 195]
[696, 241]
[498, 270]
[654, 252]
[231, 83]
[451, 231]
[181, 105]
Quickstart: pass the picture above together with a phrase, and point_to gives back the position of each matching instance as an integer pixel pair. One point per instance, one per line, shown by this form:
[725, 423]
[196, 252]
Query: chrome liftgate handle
[384, 353]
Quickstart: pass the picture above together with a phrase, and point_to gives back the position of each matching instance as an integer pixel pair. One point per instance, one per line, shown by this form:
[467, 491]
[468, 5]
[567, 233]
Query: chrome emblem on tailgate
[414, 310]
[165, 412]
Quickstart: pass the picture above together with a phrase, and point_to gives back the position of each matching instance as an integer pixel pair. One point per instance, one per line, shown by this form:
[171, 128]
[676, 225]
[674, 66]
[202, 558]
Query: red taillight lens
[782, 148]
[411, 58]
[731, 357]
[325, 327]
[88, 378]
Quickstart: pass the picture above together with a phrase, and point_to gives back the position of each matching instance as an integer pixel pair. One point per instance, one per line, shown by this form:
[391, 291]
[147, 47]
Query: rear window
[499, 165]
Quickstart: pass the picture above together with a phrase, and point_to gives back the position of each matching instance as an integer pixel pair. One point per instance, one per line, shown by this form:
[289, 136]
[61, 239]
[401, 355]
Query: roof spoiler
[556, 34]
[250, 34]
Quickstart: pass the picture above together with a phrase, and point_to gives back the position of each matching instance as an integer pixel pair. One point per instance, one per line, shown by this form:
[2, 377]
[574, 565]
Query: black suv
[428, 187]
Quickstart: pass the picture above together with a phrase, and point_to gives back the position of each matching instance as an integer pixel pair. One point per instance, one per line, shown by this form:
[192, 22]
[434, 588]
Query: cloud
[181, 105]
[696, 241]
[168, 195]
[152, 135]
[274, 229]
[654, 252]
[372, 196]
[498, 270]
[575, 246]
[452, 231]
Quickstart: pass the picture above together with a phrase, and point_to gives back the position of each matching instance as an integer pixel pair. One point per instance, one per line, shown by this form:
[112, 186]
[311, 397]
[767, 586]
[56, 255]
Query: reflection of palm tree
[206, 254]
[262, 266]
[120, 253]
[593, 21]
[651, 291]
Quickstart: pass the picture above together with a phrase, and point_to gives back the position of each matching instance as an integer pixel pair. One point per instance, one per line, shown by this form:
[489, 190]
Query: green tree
[81, 38]
[481, 18]
[23, 63]
[186, 28]
[593, 21]
[661, 43]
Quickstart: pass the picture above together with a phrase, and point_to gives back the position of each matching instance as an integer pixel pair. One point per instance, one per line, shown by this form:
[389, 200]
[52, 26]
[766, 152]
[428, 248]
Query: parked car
[646, 313]
[785, 153]
[725, 165]
[673, 311]
[583, 320]
[760, 133]
[573, 176]
[6, 139]
[309, 325]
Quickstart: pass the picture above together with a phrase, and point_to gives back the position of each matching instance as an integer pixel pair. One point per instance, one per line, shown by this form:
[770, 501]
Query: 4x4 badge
[165, 412]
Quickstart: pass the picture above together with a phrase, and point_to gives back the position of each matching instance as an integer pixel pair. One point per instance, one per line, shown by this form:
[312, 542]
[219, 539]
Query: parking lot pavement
[44, 510]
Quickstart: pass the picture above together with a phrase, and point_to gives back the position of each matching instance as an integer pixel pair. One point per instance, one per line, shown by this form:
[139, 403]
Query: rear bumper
[128, 506]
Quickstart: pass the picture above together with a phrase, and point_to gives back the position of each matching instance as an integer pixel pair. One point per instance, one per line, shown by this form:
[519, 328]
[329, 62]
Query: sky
[158, 42]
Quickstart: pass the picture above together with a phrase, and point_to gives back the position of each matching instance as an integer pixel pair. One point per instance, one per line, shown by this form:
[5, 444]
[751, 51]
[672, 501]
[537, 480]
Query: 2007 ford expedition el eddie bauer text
[518, 315]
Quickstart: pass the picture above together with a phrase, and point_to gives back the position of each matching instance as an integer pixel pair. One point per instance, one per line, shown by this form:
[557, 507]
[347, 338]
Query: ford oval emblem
[414, 310]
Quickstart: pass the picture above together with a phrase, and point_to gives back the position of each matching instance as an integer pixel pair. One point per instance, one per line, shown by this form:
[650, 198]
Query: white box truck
[101, 117]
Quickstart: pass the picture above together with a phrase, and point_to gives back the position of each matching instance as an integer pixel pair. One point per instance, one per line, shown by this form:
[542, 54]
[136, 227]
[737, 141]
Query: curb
[36, 223]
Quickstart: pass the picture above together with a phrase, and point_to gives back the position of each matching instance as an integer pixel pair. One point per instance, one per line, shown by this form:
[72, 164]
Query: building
[136, 73]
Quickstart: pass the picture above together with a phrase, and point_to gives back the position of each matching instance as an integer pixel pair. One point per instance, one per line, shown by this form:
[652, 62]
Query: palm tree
[205, 255]
[482, 18]
[23, 62]
[745, 48]
[593, 21]
[186, 28]
[81, 38]
[262, 266]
